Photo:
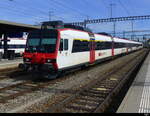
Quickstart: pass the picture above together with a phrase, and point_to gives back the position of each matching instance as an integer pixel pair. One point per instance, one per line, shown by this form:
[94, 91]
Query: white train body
[72, 48]
[16, 44]
[67, 58]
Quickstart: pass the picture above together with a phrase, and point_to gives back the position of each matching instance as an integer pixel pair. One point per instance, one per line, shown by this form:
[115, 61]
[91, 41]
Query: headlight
[48, 60]
[27, 59]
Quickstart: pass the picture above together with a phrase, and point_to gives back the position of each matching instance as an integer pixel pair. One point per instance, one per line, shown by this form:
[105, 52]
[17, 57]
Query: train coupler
[23, 66]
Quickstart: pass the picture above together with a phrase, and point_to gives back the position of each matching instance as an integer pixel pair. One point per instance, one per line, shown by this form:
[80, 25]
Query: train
[16, 42]
[57, 47]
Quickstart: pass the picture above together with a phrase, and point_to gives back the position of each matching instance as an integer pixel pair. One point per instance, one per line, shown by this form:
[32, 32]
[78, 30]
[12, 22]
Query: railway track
[96, 96]
[4, 73]
[12, 77]
[19, 89]
[13, 91]
[11, 73]
[22, 88]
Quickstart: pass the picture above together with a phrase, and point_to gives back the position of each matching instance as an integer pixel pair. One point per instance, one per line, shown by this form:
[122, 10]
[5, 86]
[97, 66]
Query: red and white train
[58, 49]
[17, 42]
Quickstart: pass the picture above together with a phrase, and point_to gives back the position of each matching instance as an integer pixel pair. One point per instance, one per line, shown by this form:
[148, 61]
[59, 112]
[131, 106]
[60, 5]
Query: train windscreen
[43, 41]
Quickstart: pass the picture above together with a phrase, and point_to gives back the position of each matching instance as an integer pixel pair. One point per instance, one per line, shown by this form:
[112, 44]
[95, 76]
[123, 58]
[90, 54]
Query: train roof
[60, 25]
[64, 26]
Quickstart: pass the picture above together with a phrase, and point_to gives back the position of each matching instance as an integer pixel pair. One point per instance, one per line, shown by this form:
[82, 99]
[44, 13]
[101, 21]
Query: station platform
[5, 64]
[137, 99]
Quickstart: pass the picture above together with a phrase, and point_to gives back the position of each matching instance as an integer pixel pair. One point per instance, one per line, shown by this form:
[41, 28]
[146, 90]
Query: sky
[36, 11]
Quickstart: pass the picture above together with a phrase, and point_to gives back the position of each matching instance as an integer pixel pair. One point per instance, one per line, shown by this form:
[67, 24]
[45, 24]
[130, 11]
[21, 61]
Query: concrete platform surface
[10, 63]
[137, 99]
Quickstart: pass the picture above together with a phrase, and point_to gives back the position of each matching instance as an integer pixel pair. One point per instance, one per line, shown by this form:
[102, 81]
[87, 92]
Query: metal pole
[85, 23]
[50, 15]
[111, 5]
[132, 30]
[5, 46]
[114, 29]
[114, 23]
[123, 34]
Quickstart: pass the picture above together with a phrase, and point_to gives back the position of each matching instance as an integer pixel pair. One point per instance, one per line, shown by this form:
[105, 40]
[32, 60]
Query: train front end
[41, 51]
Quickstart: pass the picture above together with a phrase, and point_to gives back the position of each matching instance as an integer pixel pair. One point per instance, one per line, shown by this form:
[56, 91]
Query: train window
[65, 44]
[15, 35]
[80, 46]
[76, 46]
[33, 42]
[119, 45]
[108, 45]
[61, 45]
[102, 45]
[43, 41]
[84, 46]
[48, 41]
[97, 46]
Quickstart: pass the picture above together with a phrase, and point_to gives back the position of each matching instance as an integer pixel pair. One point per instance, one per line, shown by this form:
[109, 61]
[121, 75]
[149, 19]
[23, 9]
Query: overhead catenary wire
[55, 10]
[43, 14]
[128, 14]
[69, 8]
[65, 9]
[25, 12]
[8, 8]
[91, 8]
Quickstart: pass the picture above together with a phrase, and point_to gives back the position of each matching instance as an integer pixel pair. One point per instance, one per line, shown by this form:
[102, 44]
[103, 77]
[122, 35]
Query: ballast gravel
[38, 101]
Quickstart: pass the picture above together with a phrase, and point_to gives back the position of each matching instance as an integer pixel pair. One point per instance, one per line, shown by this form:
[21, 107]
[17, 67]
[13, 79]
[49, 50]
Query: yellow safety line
[89, 40]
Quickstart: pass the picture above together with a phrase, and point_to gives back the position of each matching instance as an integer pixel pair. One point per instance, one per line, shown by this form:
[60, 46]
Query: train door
[92, 48]
[113, 46]
[127, 48]
[64, 52]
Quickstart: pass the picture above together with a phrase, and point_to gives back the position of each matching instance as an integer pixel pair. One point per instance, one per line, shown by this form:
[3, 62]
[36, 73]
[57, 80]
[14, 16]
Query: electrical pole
[111, 12]
[50, 15]
[124, 34]
[85, 21]
[84, 24]
[114, 28]
[132, 30]
[111, 15]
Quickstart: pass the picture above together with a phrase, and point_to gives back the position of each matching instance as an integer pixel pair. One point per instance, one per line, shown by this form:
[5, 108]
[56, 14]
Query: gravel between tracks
[36, 101]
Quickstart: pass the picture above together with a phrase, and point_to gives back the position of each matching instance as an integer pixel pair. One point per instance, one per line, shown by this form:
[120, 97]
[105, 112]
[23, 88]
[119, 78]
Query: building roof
[7, 26]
